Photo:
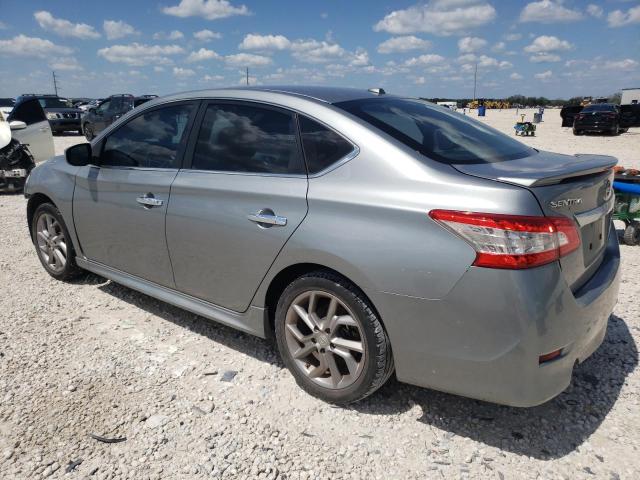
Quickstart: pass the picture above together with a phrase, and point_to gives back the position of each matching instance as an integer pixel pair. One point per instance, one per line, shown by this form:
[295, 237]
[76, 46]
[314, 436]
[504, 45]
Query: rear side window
[29, 112]
[322, 147]
[247, 138]
[438, 133]
[151, 140]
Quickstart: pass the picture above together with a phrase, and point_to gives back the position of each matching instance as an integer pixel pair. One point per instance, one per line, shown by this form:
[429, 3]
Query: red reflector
[547, 357]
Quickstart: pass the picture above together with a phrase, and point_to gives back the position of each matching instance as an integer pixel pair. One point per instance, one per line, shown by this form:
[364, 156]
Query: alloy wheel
[52, 244]
[325, 339]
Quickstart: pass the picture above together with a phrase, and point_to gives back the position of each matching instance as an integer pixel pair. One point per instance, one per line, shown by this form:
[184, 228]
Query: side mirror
[17, 125]
[79, 155]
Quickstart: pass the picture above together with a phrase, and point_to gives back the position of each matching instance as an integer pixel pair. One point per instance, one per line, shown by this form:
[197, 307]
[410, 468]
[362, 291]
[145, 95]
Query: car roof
[322, 94]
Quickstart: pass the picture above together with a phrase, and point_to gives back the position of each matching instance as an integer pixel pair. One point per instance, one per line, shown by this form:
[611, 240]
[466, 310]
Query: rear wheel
[331, 340]
[631, 234]
[53, 244]
[576, 131]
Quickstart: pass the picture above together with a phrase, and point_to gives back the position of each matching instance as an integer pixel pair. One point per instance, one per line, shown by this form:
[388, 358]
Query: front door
[233, 210]
[119, 205]
[37, 136]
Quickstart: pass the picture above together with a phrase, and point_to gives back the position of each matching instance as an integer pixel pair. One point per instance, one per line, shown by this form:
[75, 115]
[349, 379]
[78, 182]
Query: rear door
[119, 206]
[237, 203]
[38, 134]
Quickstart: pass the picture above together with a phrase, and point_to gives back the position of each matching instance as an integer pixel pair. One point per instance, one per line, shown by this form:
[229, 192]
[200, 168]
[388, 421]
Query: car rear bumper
[484, 339]
[607, 126]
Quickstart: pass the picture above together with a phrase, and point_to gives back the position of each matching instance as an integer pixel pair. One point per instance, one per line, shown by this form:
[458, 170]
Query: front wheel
[88, 131]
[331, 340]
[53, 244]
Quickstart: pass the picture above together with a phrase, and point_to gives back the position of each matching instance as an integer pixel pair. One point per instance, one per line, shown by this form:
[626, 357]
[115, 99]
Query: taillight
[511, 241]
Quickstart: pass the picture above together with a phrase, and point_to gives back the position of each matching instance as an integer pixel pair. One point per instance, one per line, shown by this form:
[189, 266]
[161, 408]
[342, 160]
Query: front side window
[104, 106]
[54, 102]
[247, 138]
[150, 140]
[322, 146]
[29, 112]
[438, 133]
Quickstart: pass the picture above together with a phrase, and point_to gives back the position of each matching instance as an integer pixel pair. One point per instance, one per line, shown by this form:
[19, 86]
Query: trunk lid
[576, 186]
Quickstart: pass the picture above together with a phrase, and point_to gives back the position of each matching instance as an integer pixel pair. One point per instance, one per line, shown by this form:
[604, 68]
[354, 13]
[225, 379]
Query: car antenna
[377, 91]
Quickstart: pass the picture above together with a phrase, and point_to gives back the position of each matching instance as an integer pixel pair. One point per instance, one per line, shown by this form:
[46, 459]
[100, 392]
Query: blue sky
[553, 48]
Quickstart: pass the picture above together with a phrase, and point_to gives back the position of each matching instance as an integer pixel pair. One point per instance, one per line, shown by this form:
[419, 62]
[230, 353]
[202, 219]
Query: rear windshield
[436, 132]
[599, 108]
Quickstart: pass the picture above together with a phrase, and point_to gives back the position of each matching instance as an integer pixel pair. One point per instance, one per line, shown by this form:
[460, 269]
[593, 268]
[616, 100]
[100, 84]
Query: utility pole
[55, 82]
[475, 79]
[247, 76]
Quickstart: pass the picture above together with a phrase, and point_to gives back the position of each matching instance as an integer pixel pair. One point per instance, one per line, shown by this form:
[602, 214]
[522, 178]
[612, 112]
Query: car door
[37, 135]
[101, 116]
[119, 204]
[237, 203]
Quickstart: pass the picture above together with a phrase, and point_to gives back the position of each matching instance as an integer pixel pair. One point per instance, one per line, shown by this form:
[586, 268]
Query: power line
[247, 76]
[475, 78]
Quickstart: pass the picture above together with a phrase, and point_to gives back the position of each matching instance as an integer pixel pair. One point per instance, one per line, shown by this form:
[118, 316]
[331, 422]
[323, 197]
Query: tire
[354, 319]
[55, 237]
[87, 129]
[80, 132]
[577, 132]
[631, 234]
[624, 130]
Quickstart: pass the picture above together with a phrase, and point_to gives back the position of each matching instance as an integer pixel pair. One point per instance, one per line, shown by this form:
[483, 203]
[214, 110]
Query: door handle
[149, 201]
[266, 217]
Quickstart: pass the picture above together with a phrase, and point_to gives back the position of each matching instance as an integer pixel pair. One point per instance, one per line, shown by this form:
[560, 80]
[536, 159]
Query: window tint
[104, 106]
[436, 132]
[602, 107]
[322, 146]
[247, 138]
[150, 140]
[28, 112]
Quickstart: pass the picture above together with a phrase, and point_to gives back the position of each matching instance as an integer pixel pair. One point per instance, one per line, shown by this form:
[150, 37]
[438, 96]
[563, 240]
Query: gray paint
[472, 331]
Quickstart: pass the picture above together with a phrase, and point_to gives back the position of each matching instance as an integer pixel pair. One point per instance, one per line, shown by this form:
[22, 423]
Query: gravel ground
[195, 399]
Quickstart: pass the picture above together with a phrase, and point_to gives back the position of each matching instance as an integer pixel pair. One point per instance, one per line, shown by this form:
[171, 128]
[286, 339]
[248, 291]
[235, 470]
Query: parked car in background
[16, 162]
[366, 232]
[29, 125]
[598, 117]
[568, 114]
[62, 116]
[6, 105]
[104, 114]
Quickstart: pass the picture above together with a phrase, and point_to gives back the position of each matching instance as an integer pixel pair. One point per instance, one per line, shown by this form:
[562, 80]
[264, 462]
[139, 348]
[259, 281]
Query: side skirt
[251, 321]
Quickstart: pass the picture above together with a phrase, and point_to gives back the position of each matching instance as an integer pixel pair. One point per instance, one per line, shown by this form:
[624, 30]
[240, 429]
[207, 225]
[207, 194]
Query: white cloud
[360, 58]
[546, 43]
[206, 35]
[515, 76]
[313, 51]
[65, 63]
[626, 64]
[403, 44]
[158, 69]
[183, 72]
[419, 81]
[324, 15]
[439, 17]
[115, 29]
[544, 75]
[172, 35]
[213, 78]
[139, 54]
[544, 57]
[65, 28]
[549, 11]
[512, 37]
[503, 65]
[202, 55]
[499, 47]
[424, 60]
[247, 60]
[23, 46]
[3, 26]
[264, 42]
[595, 10]
[209, 9]
[618, 18]
[471, 44]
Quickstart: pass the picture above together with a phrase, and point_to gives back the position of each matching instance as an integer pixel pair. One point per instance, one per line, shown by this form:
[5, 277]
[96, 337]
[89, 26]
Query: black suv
[60, 112]
[108, 111]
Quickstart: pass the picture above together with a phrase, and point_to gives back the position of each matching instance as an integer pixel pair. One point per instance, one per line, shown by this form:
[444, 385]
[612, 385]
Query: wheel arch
[288, 274]
[33, 203]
